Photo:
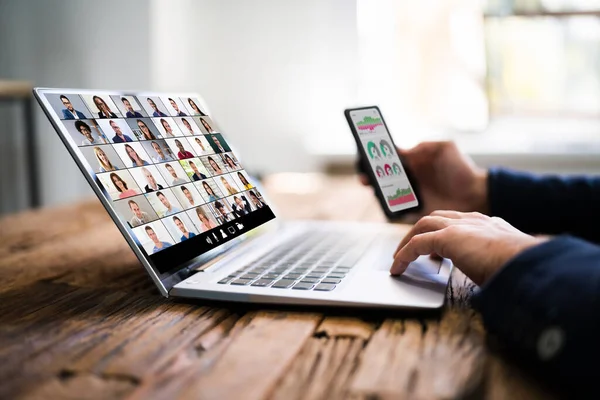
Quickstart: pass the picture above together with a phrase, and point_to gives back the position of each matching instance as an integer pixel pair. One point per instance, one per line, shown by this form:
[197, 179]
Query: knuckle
[427, 220]
[478, 215]
[414, 241]
[423, 223]
[453, 229]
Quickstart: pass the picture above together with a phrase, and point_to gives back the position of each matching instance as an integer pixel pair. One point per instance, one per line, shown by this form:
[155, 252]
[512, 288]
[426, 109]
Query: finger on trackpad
[424, 265]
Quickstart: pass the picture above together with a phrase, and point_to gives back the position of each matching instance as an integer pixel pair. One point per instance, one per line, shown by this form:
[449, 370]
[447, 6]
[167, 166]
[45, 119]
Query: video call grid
[236, 196]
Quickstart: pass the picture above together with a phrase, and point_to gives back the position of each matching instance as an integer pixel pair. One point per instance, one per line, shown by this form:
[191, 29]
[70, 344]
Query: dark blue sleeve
[544, 307]
[546, 204]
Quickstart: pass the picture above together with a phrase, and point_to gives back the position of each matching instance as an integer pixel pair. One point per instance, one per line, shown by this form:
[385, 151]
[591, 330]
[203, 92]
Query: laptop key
[303, 286]
[336, 276]
[241, 282]
[332, 281]
[271, 276]
[300, 270]
[262, 282]
[283, 284]
[314, 276]
[326, 264]
[292, 276]
[309, 280]
[325, 287]
[225, 280]
[343, 270]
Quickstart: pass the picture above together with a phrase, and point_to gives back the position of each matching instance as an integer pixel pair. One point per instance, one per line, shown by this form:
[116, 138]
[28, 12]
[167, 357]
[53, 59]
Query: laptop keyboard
[308, 262]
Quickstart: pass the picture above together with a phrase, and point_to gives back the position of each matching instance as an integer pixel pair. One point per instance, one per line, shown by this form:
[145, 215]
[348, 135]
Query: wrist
[480, 192]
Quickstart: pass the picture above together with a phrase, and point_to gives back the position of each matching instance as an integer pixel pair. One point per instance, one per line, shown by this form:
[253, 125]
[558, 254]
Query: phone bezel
[392, 215]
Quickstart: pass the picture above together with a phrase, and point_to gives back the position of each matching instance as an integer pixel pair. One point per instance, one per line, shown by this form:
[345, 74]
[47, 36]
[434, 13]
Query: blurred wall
[67, 43]
[271, 71]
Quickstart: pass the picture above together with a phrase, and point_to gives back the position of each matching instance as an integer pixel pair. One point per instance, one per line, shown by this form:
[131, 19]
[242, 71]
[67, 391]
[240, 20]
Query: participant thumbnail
[193, 106]
[167, 127]
[164, 203]
[86, 132]
[206, 125]
[388, 169]
[119, 184]
[194, 169]
[242, 180]
[181, 148]
[102, 158]
[230, 162]
[373, 151]
[153, 237]
[153, 106]
[256, 199]
[174, 106]
[209, 190]
[135, 210]
[240, 205]
[180, 227]
[173, 173]
[158, 151]
[218, 143]
[213, 165]
[69, 106]
[222, 211]
[117, 130]
[386, 149]
[101, 106]
[203, 218]
[227, 185]
[149, 178]
[187, 126]
[129, 106]
[200, 146]
[188, 195]
[132, 154]
[397, 169]
[144, 129]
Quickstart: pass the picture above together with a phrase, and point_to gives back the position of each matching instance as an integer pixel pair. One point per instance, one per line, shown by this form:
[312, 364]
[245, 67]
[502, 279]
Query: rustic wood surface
[80, 320]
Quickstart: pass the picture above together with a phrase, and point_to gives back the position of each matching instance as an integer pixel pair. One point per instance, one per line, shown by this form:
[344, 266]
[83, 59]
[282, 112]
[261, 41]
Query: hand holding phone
[393, 185]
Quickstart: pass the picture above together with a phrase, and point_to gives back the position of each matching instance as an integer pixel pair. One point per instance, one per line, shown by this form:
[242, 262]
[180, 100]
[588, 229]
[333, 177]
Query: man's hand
[477, 244]
[447, 179]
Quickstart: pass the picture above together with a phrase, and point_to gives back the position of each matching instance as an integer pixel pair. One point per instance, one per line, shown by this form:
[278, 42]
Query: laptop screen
[164, 167]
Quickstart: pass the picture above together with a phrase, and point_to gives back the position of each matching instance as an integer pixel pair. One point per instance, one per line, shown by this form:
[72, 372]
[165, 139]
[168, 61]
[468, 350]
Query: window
[424, 64]
[457, 66]
[543, 57]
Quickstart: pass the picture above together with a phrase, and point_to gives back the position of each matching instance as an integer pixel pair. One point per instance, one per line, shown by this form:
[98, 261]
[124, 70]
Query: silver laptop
[203, 227]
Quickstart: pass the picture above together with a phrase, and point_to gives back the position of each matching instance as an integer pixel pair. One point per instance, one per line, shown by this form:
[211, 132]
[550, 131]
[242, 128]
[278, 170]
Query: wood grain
[80, 319]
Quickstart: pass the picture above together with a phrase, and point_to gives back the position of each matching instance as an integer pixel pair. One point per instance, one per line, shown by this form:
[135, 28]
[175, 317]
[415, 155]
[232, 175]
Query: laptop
[203, 228]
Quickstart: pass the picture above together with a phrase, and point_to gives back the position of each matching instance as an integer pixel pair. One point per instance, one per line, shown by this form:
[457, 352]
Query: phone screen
[384, 160]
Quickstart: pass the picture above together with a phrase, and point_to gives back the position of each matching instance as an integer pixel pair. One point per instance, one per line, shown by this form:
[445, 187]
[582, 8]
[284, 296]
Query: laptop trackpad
[422, 266]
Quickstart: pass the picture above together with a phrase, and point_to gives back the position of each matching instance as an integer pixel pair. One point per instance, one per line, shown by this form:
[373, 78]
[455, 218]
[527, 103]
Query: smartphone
[394, 186]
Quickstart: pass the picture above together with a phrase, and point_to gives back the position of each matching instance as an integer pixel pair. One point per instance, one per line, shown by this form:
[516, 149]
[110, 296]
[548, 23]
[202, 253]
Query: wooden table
[80, 320]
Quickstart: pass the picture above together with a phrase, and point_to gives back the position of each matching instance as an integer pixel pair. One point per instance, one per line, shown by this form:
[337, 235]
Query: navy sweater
[544, 305]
